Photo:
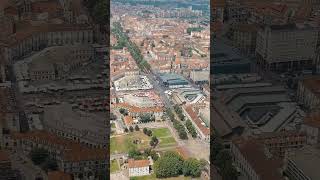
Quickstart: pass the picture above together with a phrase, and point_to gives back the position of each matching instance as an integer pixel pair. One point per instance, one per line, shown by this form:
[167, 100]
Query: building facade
[138, 167]
[308, 92]
[286, 47]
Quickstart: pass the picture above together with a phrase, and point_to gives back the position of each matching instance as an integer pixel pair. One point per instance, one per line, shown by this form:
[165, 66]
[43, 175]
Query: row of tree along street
[124, 41]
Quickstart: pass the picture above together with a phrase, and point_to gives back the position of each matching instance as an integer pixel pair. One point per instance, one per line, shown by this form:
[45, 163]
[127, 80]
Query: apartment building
[74, 125]
[138, 167]
[36, 38]
[58, 61]
[6, 171]
[308, 92]
[72, 157]
[311, 127]
[236, 11]
[202, 130]
[280, 143]
[254, 160]
[199, 76]
[218, 10]
[136, 112]
[302, 164]
[58, 175]
[286, 47]
[244, 37]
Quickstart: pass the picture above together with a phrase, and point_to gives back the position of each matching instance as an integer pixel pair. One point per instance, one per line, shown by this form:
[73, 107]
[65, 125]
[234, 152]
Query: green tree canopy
[168, 165]
[191, 167]
[39, 155]
[100, 12]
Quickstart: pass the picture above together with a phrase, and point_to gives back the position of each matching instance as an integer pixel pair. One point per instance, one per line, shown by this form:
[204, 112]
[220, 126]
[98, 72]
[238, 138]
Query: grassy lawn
[166, 142]
[161, 132]
[114, 166]
[165, 137]
[153, 177]
[122, 144]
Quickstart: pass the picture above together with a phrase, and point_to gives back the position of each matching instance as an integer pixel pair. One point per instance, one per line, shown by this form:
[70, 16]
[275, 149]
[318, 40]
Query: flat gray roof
[307, 159]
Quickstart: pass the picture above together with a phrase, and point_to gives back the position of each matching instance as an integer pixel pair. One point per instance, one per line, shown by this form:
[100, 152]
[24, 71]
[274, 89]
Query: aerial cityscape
[265, 89]
[159, 95]
[159, 89]
[53, 63]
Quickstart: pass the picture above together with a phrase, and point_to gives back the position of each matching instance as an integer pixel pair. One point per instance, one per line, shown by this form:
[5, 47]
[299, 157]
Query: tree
[181, 130]
[191, 128]
[154, 155]
[100, 12]
[131, 129]
[191, 167]
[145, 131]
[168, 165]
[50, 165]
[222, 158]
[149, 133]
[122, 111]
[228, 172]
[133, 153]
[183, 135]
[145, 118]
[147, 151]
[154, 141]
[179, 112]
[137, 128]
[216, 147]
[126, 130]
[39, 155]
[203, 164]
[113, 116]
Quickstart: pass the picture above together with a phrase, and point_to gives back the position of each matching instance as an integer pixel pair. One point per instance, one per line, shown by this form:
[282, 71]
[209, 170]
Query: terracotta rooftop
[194, 117]
[137, 163]
[58, 175]
[254, 153]
[246, 27]
[49, 7]
[313, 120]
[4, 4]
[128, 120]
[135, 109]
[313, 84]
[4, 156]
[72, 151]
[32, 30]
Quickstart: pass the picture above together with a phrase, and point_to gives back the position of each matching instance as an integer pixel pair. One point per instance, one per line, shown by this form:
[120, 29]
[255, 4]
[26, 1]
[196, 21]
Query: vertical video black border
[108, 88]
[211, 88]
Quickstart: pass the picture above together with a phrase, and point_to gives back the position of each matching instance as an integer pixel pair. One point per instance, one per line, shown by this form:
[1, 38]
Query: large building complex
[286, 47]
[56, 62]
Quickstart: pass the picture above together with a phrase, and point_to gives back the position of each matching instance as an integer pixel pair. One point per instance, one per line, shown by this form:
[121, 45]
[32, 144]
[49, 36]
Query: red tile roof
[58, 175]
[72, 151]
[4, 156]
[254, 153]
[194, 117]
[313, 120]
[128, 120]
[137, 163]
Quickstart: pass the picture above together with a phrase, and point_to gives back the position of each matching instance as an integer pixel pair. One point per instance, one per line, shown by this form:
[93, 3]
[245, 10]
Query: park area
[122, 143]
[153, 177]
[165, 137]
